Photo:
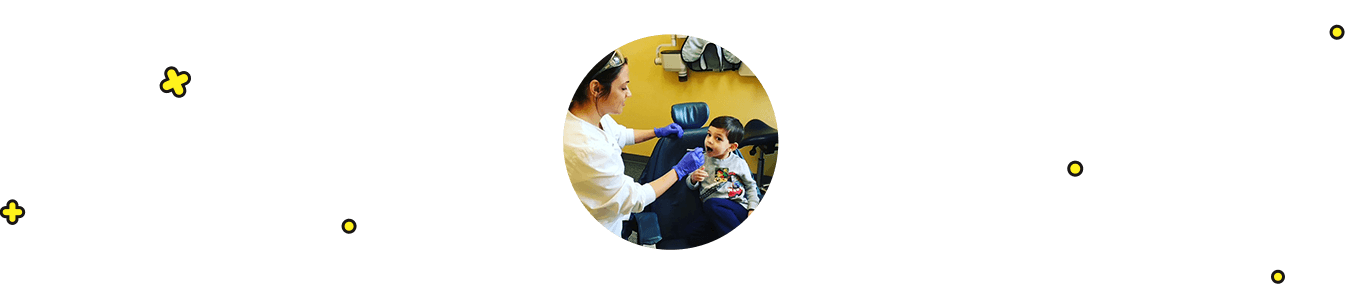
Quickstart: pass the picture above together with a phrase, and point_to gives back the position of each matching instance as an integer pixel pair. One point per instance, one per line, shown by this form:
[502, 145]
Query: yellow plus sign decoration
[175, 82]
[12, 212]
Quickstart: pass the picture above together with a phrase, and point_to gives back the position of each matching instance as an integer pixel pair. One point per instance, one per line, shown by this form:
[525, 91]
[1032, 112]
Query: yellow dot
[1337, 32]
[348, 226]
[1279, 276]
[1076, 168]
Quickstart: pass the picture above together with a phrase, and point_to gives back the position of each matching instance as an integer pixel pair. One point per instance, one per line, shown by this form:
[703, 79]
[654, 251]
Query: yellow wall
[655, 90]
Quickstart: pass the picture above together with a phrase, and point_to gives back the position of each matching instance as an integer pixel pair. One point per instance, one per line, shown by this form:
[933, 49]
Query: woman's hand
[668, 130]
[698, 175]
[691, 161]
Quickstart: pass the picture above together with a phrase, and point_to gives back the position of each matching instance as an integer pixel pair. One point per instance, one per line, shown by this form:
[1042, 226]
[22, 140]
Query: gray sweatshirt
[728, 178]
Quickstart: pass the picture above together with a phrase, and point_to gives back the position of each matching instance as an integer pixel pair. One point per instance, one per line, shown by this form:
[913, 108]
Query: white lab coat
[595, 165]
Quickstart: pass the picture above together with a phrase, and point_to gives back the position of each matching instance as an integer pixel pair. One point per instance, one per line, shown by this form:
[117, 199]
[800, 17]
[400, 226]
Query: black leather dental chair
[679, 206]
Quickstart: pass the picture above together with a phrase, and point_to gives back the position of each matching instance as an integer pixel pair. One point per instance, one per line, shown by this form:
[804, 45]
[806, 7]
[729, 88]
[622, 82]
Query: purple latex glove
[672, 129]
[691, 161]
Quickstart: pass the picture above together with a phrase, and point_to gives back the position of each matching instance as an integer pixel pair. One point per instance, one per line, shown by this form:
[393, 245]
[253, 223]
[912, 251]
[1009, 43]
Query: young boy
[724, 183]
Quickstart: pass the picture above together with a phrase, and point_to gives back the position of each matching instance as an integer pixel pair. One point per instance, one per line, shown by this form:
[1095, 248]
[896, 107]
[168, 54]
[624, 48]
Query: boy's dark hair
[735, 131]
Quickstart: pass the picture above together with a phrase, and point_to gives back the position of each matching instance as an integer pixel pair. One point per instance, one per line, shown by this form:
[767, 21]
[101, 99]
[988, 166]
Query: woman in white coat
[593, 143]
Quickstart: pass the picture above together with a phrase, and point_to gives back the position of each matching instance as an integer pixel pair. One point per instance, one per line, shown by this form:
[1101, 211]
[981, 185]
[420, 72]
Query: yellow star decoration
[175, 82]
[12, 212]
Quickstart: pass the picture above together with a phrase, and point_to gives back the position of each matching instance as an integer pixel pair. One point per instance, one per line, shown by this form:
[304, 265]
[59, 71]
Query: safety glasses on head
[615, 61]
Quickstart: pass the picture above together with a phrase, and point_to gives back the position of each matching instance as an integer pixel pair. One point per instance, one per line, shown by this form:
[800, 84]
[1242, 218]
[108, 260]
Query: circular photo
[670, 141]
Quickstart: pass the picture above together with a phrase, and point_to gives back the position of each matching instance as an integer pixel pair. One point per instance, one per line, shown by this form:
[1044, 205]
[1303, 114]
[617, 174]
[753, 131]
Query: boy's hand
[698, 175]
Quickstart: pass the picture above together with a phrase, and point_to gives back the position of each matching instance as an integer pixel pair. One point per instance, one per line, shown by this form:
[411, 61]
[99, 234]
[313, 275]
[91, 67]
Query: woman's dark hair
[606, 79]
[733, 126]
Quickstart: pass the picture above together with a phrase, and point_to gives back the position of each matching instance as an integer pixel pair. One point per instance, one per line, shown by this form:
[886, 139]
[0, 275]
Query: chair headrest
[690, 115]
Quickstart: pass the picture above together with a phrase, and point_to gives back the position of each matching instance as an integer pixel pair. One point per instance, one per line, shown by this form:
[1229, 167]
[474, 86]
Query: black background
[1208, 149]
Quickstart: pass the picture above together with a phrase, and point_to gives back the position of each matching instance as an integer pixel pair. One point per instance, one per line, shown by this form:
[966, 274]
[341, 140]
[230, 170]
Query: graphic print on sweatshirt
[724, 177]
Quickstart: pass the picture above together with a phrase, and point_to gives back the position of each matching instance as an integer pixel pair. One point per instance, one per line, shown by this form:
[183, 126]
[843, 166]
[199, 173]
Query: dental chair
[680, 206]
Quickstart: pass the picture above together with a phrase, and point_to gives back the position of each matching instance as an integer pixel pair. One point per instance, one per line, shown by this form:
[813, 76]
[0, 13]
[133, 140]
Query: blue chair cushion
[690, 115]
